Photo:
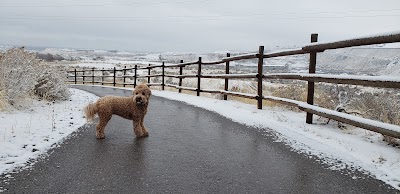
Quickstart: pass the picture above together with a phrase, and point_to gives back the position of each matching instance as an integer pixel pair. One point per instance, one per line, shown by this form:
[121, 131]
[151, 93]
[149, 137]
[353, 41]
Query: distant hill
[381, 59]
[374, 61]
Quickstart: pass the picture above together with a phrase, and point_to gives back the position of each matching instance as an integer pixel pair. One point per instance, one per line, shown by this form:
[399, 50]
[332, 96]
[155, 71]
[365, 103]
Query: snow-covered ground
[28, 134]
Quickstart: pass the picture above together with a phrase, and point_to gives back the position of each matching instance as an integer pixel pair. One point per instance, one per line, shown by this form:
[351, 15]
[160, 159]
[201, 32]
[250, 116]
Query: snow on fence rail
[311, 78]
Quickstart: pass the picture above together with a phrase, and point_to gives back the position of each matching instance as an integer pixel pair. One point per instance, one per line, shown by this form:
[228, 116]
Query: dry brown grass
[3, 102]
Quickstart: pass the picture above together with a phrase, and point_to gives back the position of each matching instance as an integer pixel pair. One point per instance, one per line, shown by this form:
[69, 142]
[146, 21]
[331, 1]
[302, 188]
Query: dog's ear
[135, 90]
[138, 87]
[149, 93]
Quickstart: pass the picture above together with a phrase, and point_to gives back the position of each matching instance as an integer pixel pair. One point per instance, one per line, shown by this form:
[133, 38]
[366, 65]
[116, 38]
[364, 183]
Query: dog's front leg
[137, 128]
[144, 130]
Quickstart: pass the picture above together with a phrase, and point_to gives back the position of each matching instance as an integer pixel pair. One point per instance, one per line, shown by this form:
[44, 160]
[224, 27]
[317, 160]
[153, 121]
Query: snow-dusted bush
[377, 105]
[3, 101]
[381, 105]
[18, 74]
[22, 76]
[50, 84]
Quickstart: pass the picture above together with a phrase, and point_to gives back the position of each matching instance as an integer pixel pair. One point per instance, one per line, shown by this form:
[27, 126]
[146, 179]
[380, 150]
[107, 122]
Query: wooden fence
[311, 49]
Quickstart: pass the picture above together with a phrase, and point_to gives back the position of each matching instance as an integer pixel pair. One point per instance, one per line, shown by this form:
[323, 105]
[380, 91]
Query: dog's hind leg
[103, 120]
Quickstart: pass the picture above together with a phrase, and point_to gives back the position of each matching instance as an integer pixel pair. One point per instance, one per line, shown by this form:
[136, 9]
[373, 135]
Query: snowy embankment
[28, 134]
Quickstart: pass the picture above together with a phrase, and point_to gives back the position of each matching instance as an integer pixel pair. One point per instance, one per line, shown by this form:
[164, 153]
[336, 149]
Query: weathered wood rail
[311, 49]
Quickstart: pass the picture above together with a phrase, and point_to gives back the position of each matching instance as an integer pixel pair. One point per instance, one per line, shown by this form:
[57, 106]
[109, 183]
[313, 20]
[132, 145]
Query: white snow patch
[26, 135]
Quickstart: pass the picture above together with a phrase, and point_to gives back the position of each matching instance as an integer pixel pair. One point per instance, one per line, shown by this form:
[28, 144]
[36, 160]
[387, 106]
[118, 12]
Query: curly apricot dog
[132, 108]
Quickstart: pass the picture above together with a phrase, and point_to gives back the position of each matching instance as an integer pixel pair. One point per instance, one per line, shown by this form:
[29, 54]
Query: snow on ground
[351, 149]
[28, 134]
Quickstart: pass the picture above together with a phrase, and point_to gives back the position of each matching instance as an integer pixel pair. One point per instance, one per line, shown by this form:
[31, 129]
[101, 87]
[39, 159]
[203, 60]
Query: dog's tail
[90, 111]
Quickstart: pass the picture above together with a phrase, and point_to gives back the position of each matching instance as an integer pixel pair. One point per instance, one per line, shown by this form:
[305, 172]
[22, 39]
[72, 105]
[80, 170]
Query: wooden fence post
[83, 76]
[199, 77]
[180, 79]
[102, 78]
[260, 76]
[115, 72]
[311, 70]
[93, 76]
[75, 76]
[124, 75]
[163, 76]
[134, 81]
[226, 79]
[148, 78]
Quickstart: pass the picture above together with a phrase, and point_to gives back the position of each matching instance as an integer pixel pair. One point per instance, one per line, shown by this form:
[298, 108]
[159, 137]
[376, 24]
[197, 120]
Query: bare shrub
[383, 106]
[49, 57]
[376, 104]
[391, 140]
[22, 76]
[18, 74]
[248, 87]
[325, 96]
[3, 102]
[51, 83]
[295, 91]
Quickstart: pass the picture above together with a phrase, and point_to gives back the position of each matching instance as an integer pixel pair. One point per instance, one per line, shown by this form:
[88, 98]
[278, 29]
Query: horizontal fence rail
[370, 81]
[364, 41]
[130, 76]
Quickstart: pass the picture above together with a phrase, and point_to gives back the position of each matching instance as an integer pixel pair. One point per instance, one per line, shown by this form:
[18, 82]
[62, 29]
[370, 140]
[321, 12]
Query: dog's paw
[142, 135]
[100, 135]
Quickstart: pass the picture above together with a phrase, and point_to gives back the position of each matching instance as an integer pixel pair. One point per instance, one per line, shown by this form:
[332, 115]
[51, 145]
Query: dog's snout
[139, 100]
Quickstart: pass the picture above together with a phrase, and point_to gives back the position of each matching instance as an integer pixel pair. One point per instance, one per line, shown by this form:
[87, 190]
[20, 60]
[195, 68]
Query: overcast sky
[190, 25]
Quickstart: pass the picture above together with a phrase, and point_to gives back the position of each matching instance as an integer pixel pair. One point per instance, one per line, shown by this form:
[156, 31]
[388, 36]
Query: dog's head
[141, 94]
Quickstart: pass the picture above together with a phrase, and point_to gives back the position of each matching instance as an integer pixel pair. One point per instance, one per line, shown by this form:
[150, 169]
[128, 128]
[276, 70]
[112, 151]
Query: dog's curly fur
[133, 108]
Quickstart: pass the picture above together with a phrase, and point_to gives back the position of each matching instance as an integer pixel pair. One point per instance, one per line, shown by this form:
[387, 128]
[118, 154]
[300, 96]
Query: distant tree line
[49, 57]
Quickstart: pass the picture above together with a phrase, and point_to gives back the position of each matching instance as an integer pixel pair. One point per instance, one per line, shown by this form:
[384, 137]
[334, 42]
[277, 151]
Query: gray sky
[190, 25]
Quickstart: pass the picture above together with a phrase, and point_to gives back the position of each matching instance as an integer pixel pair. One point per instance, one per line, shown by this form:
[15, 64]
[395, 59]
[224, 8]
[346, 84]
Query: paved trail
[189, 150]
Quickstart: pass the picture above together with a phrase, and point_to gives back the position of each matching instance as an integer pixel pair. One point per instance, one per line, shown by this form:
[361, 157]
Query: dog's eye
[143, 93]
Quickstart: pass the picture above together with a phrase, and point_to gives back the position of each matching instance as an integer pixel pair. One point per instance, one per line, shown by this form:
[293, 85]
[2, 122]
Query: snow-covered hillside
[369, 60]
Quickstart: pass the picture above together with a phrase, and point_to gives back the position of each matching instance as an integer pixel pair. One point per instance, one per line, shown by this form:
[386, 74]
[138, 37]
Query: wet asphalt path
[189, 150]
